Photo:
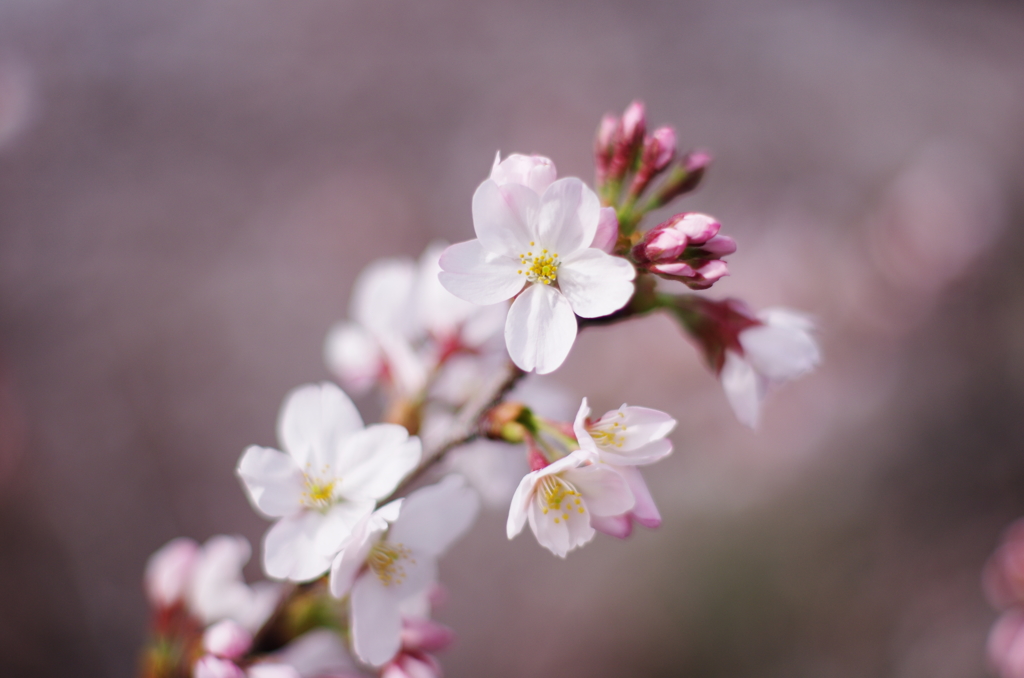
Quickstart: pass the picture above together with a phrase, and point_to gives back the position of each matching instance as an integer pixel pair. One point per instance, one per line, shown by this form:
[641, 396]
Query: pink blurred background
[188, 189]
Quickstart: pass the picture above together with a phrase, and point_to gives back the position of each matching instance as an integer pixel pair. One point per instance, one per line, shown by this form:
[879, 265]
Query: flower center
[385, 559]
[553, 492]
[542, 268]
[318, 490]
[608, 436]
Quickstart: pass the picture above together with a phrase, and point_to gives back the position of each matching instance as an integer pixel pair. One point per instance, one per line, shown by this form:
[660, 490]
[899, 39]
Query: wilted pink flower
[687, 248]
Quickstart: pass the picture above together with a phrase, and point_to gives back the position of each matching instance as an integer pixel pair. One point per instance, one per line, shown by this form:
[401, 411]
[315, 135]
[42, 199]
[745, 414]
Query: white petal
[607, 234]
[780, 353]
[289, 548]
[320, 652]
[337, 525]
[169, 570]
[353, 355]
[314, 419]
[435, 516]
[350, 560]
[596, 283]
[570, 531]
[273, 481]
[540, 329]
[272, 670]
[217, 590]
[743, 388]
[533, 171]
[382, 297]
[472, 273]
[604, 491]
[375, 620]
[517, 511]
[569, 213]
[437, 309]
[615, 526]
[644, 511]
[375, 460]
[408, 370]
[504, 218]
[643, 425]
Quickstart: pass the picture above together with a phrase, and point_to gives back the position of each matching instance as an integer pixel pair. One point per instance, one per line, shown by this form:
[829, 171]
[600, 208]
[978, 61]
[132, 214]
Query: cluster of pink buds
[687, 248]
[628, 157]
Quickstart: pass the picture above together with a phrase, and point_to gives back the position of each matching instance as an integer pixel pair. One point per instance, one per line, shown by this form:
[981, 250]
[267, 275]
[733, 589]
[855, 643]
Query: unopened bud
[683, 178]
[687, 248]
[634, 122]
[504, 423]
[658, 151]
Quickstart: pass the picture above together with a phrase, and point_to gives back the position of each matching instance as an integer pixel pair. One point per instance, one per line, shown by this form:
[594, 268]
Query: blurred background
[188, 189]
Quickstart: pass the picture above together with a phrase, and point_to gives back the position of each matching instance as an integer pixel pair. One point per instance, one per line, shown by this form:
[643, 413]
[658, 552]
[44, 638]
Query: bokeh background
[188, 189]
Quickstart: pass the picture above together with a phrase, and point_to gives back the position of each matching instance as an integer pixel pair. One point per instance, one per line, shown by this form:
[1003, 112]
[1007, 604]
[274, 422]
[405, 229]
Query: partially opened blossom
[560, 499]
[392, 556]
[623, 439]
[404, 324]
[779, 348]
[217, 590]
[537, 246]
[330, 476]
[169, 571]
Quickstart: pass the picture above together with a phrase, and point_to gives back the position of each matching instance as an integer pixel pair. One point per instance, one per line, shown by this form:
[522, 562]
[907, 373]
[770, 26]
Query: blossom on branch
[535, 243]
[560, 499]
[392, 557]
[328, 479]
[624, 439]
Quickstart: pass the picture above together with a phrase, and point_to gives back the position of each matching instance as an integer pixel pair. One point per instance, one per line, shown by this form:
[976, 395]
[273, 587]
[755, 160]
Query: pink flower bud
[665, 138]
[169, 571]
[684, 177]
[634, 122]
[606, 133]
[227, 639]
[209, 666]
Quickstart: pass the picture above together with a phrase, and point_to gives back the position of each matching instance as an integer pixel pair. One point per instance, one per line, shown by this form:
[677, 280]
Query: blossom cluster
[362, 513]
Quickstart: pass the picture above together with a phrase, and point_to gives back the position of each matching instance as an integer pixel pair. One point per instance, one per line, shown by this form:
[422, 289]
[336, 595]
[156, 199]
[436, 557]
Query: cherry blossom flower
[329, 477]
[535, 242]
[623, 439]
[217, 590]
[392, 556]
[779, 348]
[169, 571]
[227, 639]
[560, 499]
[404, 324]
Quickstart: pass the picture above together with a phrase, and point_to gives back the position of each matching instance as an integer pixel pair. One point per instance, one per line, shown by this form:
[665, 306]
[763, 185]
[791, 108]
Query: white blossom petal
[314, 419]
[604, 491]
[373, 461]
[569, 213]
[744, 388]
[559, 532]
[169, 570]
[273, 481]
[472, 273]
[504, 218]
[780, 353]
[533, 171]
[289, 548]
[433, 517]
[607, 234]
[540, 329]
[376, 622]
[596, 283]
[353, 355]
[320, 652]
[338, 522]
[644, 511]
[382, 297]
[521, 500]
